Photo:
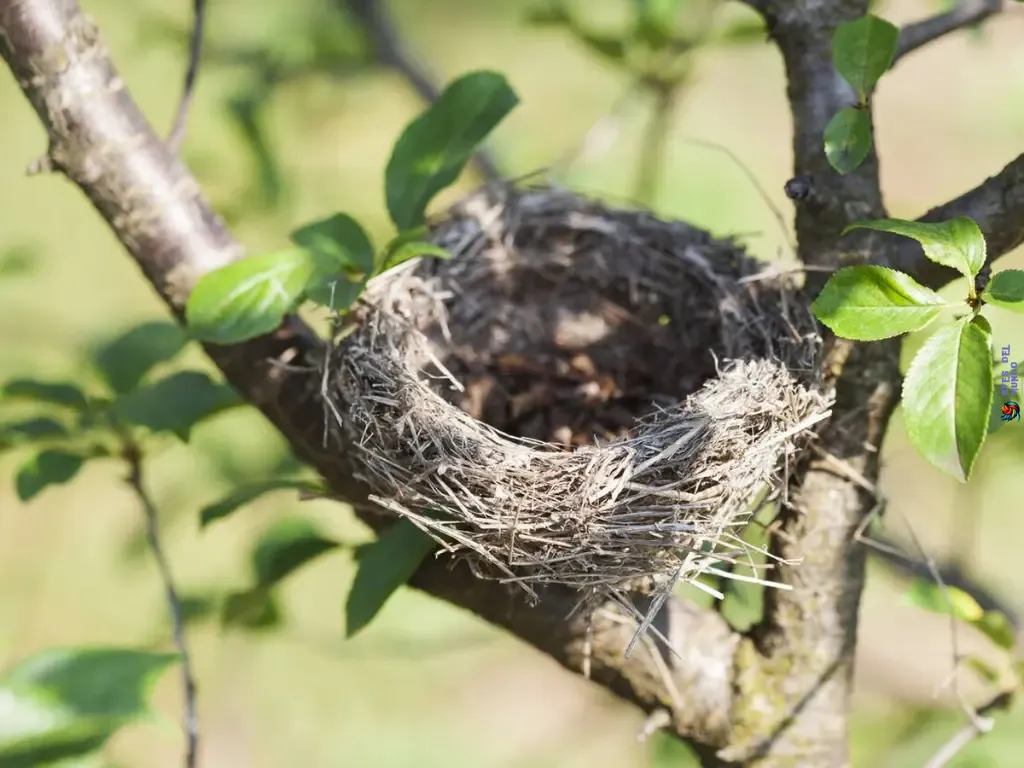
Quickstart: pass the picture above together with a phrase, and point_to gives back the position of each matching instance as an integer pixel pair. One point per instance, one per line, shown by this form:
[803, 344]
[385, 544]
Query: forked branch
[997, 205]
[101, 142]
[967, 13]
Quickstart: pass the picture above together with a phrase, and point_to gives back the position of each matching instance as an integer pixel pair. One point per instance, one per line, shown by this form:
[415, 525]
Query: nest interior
[581, 395]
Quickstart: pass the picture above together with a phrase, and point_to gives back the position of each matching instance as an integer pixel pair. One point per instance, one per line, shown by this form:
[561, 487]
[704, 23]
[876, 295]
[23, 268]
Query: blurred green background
[426, 684]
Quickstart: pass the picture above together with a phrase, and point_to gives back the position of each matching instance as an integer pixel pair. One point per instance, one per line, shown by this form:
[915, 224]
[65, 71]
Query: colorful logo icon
[1011, 411]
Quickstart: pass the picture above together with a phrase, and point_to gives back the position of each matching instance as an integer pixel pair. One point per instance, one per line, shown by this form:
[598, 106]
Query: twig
[177, 134]
[652, 149]
[980, 725]
[389, 51]
[967, 13]
[133, 456]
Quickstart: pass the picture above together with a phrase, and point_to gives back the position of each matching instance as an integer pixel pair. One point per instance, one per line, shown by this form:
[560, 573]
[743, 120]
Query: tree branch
[794, 687]
[997, 205]
[133, 457]
[966, 14]
[389, 51]
[101, 142]
[971, 731]
[195, 44]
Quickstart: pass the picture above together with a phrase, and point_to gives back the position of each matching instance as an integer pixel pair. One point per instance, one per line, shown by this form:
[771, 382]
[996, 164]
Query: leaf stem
[133, 456]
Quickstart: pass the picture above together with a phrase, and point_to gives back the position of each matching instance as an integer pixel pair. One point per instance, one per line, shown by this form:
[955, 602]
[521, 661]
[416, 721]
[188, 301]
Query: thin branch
[133, 456]
[979, 726]
[177, 134]
[389, 51]
[101, 142]
[652, 147]
[966, 14]
[997, 205]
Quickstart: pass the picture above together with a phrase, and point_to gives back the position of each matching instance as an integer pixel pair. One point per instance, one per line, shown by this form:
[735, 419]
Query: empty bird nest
[580, 395]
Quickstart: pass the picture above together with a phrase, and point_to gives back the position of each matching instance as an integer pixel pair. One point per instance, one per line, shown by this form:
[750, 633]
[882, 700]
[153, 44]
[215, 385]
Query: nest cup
[581, 396]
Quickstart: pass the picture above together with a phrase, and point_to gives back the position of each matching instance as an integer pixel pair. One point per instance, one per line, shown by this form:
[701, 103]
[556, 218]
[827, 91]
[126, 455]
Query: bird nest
[581, 396]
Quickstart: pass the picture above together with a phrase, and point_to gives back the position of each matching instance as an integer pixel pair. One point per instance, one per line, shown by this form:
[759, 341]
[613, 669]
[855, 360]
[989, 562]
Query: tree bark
[777, 696]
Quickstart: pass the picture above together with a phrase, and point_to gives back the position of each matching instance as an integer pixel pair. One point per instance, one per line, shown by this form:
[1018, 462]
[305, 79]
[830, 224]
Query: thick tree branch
[997, 204]
[102, 143]
[966, 14]
[794, 710]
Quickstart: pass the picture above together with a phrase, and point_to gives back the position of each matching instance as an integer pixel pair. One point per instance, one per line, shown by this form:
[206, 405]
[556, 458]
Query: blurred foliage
[120, 390]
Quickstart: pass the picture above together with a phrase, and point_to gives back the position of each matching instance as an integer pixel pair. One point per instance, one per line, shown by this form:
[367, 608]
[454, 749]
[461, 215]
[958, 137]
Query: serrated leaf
[926, 594]
[435, 147]
[61, 704]
[848, 139]
[1006, 290]
[382, 567]
[947, 395]
[285, 547]
[31, 431]
[862, 51]
[996, 626]
[339, 243]
[870, 303]
[956, 243]
[125, 360]
[246, 494]
[254, 609]
[46, 468]
[46, 392]
[175, 403]
[248, 298]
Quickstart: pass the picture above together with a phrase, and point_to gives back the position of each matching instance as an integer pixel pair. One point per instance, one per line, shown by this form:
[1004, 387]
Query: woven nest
[580, 396]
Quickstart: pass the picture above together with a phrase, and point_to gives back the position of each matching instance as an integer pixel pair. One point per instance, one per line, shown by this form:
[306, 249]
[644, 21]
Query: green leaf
[548, 14]
[336, 292]
[46, 468]
[956, 243]
[983, 669]
[1006, 289]
[339, 244]
[926, 594]
[175, 403]
[657, 21]
[862, 51]
[996, 626]
[18, 260]
[253, 609]
[285, 547]
[404, 248]
[31, 431]
[872, 303]
[383, 566]
[247, 494]
[607, 46]
[126, 359]
[848, 139]
[947, 396]
[62, 704]
[432, 151]
[46, 392]
[248, 298]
